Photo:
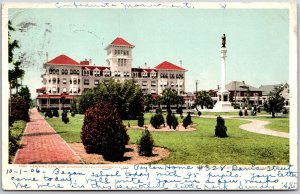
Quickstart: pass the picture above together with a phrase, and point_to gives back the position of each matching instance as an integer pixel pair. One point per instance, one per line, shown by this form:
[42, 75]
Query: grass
[277, 124]
[15, 135]
[229, 113]
[200, 146]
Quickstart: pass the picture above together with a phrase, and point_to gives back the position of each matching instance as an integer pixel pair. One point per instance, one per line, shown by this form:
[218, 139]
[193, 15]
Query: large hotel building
[65, 78]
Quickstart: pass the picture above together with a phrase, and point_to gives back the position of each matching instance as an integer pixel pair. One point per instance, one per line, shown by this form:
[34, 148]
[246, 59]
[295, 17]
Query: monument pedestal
[223, 104]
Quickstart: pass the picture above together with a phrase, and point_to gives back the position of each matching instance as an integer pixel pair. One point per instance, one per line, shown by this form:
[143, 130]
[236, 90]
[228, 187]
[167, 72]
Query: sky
[257, 41]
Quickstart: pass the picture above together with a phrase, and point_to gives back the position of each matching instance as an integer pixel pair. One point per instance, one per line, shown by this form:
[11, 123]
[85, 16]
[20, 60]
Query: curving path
[256, 126]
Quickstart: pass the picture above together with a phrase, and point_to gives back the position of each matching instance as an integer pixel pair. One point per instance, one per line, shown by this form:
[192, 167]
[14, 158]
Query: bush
[240, 113]
[174, 122]
[189, 118]
[199, 113]
[169, 119]
[157, 120]
[73, 114]
[48, 113]
[141, 121]
[19, 108]
[103, 132]
[258, 109]
[221, 129]
[15, 134]
[128, 124]
[55, 113]
[285, 111]
[64, 117]
[179, 111]
[158, 111]
[146, 143]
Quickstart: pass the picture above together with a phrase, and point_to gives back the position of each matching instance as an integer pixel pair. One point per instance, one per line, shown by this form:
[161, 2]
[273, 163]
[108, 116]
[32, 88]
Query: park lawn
[200, 146]
[16, 132]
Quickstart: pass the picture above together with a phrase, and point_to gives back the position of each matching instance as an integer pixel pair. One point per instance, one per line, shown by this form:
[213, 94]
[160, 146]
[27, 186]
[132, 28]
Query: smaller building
[268, 88]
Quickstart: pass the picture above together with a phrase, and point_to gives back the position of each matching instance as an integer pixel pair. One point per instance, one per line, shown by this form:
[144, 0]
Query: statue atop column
[223, 41]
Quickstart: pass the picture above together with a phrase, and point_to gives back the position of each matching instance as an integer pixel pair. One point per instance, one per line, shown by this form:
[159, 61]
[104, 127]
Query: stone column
[223, 52]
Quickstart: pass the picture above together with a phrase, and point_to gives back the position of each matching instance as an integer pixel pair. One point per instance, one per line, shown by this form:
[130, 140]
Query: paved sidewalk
[40, 144]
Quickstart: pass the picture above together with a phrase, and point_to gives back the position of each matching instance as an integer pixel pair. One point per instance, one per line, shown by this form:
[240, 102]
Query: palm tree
[170, 97]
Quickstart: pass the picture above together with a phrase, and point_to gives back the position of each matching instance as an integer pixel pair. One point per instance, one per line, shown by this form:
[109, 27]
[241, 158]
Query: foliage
[126, 97]
[158, 111]
[169, 119]
[55, 113]
[103, 132]
[19, 108]
[74, 107]
[275, 102]
[141, 120]
[170, 97]
[179, 111]
[15, 134]
[147, 98]
[25, 94]
[203, 99]
[64, 116]
[145, 144]
[174, 122]
[221, 129]
[246, 112]
[13, 74]
[157, 120]
[49, 113]
[188, 120]
[240, 113]
[199, 113]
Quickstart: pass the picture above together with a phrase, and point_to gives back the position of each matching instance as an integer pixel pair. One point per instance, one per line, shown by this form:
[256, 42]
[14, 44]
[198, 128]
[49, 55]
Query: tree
[146, 143]
[203, 99]
[126, 97]
[170, 97]
[147, 101]
[174, 122]
[25, 94]
[221, 129]
[16, 73]
[169, 119]
[275, 102]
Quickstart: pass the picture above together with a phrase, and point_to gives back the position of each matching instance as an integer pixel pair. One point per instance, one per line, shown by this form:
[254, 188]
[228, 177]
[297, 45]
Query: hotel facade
[65, 79]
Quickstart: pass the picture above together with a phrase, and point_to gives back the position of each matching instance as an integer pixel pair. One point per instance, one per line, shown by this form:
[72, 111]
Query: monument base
[222, 106]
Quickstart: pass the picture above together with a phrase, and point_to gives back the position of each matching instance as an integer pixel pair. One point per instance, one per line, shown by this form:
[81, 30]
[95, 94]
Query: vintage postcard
[149, 96]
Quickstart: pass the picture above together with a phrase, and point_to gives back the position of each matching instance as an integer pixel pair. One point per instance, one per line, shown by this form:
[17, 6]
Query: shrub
[258, 109]
[141, 121]
[19, 108]
[157, 120]
[15, 134]
[221, 129]
[179, 111]
[55, 113]
[73, 114]
[158, 111]
[174, 122]
[146, 143]
[185, 123]
[169, 119]
[48, 113]
[285, 111]
[103, 132]
[189, 118]
[199, 113]
[128, 124]
[240, 113]
[64, 117]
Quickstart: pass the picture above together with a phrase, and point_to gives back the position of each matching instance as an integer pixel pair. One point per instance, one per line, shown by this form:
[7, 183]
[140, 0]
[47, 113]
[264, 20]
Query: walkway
[40, 144]
[255, 126]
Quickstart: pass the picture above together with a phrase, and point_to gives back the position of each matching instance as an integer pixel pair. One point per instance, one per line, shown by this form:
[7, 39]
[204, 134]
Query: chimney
[218, 87]
[243, 82]
[145, 64]
[90, 62]
[180, 62]
[46, 57]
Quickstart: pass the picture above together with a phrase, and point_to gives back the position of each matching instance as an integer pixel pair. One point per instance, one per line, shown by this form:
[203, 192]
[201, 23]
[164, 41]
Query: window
[153, 83]
[74, 80]
[96, 82]
[153, 74]
[54, 80]
[144, 74]
[134, 74]
[74, 90]
[96, 73]
[172, 76]
[54, 90]
[115, 52]
[64, 90]
[64, 81]
[64, 71]
[86, 81]
[144, 83]
[172, 84]
[85, 72]
[106, 73]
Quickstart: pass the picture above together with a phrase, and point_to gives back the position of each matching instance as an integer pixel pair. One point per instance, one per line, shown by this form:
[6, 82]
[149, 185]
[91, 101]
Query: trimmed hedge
[146, 143]
[221, 129]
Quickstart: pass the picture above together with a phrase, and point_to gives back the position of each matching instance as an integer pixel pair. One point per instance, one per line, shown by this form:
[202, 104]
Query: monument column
[223, 52]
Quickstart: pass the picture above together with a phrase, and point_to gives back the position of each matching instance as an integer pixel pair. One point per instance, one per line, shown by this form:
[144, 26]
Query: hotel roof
[63, 60]
[168, 66]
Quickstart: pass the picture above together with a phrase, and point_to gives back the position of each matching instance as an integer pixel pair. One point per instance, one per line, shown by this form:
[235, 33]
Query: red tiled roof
[101, 68]
[150, 70]
[121, 42]
[84, 63]
[63, 60]
[168, 66]
[67, 96]
[41, 89]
